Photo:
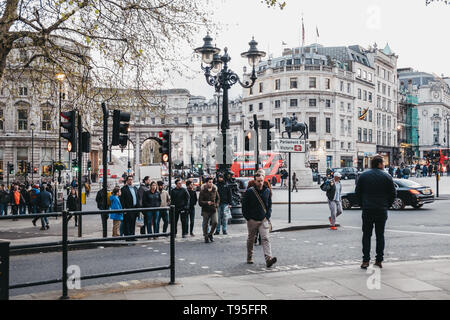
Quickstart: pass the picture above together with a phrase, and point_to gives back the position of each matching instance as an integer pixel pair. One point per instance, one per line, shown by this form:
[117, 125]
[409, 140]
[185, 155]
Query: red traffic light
[160, 134]
[165, 157]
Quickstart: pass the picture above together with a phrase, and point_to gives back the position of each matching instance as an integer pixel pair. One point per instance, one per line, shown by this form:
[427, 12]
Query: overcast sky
[416, 32]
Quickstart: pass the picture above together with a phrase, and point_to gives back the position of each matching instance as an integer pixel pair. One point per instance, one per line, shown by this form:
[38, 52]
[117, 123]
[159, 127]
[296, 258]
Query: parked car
[347, 172]
[409, 193]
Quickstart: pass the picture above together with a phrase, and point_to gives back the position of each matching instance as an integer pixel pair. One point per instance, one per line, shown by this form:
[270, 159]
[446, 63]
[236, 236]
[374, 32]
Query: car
[409, 193]
[346, 173]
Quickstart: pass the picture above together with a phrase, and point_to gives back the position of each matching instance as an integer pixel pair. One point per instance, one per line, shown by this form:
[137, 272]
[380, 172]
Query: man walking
[225, 203]
[209, 200]
[294, 182]
[192, 203]
[180, 199]
[376, 193]
[101, 199]
[4, 200]
[257, 210]
[333, 188]
[144, 187]
[45, 201]
[129, 200]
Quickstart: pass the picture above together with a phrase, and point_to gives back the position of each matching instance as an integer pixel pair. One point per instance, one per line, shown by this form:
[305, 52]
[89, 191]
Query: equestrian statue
[291, 125]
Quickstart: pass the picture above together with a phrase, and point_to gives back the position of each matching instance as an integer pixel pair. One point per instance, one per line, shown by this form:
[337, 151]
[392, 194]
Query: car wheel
[398, 204]
[346, 204]
[418, 206]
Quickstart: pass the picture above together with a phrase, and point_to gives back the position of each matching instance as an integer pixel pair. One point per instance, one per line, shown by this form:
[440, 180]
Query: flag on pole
[283, 43]
[317, 32]
[303, 33]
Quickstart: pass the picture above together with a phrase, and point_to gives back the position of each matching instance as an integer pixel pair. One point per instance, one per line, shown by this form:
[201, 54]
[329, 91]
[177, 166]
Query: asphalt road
[411, 235]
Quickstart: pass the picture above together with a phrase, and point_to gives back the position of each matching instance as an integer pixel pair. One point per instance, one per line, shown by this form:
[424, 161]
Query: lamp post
[32, 127]
[60, 77]
[220, 77]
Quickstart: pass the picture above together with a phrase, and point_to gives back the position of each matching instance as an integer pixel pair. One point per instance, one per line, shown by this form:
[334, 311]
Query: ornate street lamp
[220, 77]
[32, 127]
[60, 77]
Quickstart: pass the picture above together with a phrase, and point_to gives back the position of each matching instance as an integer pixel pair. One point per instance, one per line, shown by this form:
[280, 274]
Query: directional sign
[290, 145]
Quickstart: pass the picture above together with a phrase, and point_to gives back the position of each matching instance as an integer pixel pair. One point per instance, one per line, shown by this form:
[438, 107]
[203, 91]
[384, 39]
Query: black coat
[151, 200]
[126, 199]
[192, 199]
[180, 198]
[375, 190]
[251, 207]
[224, 193]
[72, 203]
[100, 199]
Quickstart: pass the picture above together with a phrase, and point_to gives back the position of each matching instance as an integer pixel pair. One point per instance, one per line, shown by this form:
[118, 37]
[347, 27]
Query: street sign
[290, 145]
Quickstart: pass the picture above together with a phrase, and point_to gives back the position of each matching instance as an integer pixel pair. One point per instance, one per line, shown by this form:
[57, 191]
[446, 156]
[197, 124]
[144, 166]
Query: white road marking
[163, 253]
[294, 239]
[329, 263]
[411, 232]
[155, 250]
[144, 246]
[101, 247]
[205, 267]
[320, 244]
[218, 271]
[440, 257]
[192, 263]
[352, 247]
[124, 284]
[306, 241]
[135, 281]
[181, 259]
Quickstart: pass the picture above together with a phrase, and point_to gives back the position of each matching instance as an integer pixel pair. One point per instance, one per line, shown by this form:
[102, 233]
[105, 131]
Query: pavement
[411, 280]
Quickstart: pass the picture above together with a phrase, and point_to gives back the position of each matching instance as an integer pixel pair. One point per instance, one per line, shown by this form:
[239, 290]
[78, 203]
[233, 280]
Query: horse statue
[291, 125]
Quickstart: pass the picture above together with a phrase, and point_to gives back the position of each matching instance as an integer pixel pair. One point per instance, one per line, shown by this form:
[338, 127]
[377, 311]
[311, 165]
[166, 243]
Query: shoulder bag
[266, 222]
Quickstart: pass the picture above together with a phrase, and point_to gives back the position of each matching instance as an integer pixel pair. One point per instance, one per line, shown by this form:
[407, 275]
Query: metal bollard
[64, 255]
[172, 244]
[318, 179]
[4, 270]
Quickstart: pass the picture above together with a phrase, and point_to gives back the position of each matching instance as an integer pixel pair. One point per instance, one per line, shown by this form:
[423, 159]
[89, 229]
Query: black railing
[5, 249]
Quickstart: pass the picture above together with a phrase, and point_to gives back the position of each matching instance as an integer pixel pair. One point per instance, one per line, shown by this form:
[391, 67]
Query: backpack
[325, 186]
[33, 197]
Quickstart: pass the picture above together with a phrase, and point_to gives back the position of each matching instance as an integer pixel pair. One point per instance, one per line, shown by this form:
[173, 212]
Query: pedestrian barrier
[5, 249]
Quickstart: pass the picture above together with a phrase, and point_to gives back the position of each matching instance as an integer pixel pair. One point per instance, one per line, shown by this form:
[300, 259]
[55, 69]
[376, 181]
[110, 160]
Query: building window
[342, 145]
[293, 83]
[370, 135]
[436, 125]
[22, 117]
[328, 103]
[46, 120]
[365, 135]
[277, 124]
[312, 102]
[342, 86]
[359, 134]
[359, 112]
[349, 125]
[342, 106]
[389, 139]
[277, 84]
[370, 96]
[389, 123]
[175, 120]
[349, 146]
[199, 119]
[189, 120]
[328, 144]
[370, 76]
[365, 95]
[327, 84]
[277, 104]
[293, 102]
[384, 89]
[250, 107]
[260, 106]
[349, 87]
[328, 125]
[378, 137]
[378, 102]
[365, 75]
[342, 127]
[359, 73]
[370, 115]
[22, 155]
[349, 107]
[312, 124]
[251, 91]
[384, 138]
[154, 120]
[23, 91]
[2, 119]
[312, 82]
[379, 86]
[313, 144]
[163, 121]
[359, 94]
[208, 119]
[261, 87]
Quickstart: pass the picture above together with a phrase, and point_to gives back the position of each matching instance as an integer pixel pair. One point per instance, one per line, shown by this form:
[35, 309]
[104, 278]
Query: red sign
[298, 148]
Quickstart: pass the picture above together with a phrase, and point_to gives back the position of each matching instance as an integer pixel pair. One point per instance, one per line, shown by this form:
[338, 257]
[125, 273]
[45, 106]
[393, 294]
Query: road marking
[440, 257]
[218, 271]
[306, 241]
[329, 263]
[294, 239]
[320, 244]
[205, 267]
[144, 246]
[155, 250]
[163, 253]
[181, 259]
[135, 281]
[101, 247]
[352, 247]
[192, 263]
[413, 254]
[124, 284]
[411, 232]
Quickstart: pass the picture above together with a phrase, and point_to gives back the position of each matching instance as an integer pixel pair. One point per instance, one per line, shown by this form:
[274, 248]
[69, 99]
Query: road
[411, 235]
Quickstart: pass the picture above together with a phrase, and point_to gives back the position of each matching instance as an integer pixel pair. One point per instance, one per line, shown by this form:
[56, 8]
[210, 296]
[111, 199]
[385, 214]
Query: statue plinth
[304, 174]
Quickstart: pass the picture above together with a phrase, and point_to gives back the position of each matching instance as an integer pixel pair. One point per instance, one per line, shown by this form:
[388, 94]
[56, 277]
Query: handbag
[227, 213]
[140, 221]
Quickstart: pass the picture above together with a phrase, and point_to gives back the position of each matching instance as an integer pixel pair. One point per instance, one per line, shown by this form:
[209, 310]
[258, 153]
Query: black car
[409, 193]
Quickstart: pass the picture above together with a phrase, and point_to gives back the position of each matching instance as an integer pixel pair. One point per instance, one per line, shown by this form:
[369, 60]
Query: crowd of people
[417, 170]
[21, 199]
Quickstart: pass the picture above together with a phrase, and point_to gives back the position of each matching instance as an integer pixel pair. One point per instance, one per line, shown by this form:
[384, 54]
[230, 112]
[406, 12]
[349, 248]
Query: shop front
[346, 161]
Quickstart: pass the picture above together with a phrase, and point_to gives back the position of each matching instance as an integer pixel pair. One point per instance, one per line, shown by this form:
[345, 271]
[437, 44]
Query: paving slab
[360, 286]
[329, 288]
[189, 289]
[410, 285]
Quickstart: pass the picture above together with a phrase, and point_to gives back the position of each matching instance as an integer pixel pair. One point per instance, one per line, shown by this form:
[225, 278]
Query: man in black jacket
[180, 199]
[129, 200]
[376, 193]
[257, 210]
[225, 203]
[101, 201]
[192, 203]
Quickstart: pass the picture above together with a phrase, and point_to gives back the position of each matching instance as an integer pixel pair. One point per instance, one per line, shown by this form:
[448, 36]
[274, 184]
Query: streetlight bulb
[60, 76]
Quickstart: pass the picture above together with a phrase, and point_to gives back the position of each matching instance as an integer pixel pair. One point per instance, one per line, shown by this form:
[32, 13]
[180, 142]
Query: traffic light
[75, 164]
[248, 137]
[22, 166]
[120, 130]
[28, 167]
[86, 142]
[35, 170]
[266, 136]
[89, 165]
[11, 168]
[164, 149]
[71, 134]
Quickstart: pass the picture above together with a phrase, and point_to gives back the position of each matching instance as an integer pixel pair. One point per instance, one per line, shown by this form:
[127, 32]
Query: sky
[418, 33]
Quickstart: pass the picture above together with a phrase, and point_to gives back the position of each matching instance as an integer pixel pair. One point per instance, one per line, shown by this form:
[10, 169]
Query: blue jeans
[221, 216]
[3, 207]
[164, 215]
[22, 209]
[44, 221]
[152, 219]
